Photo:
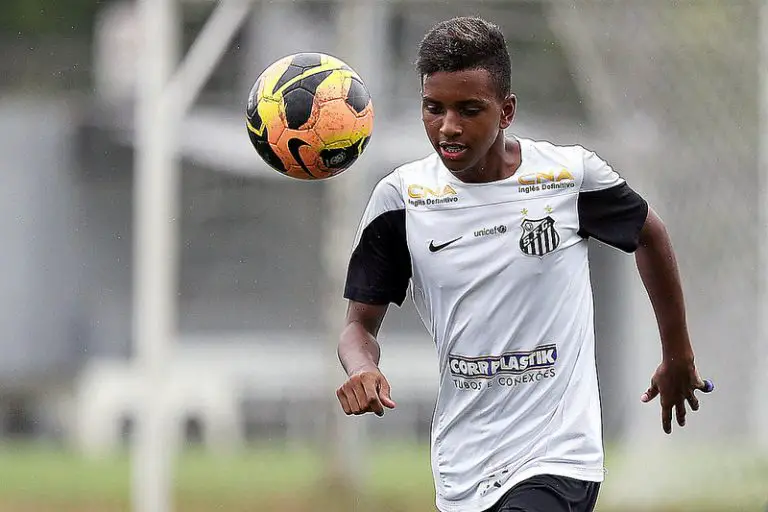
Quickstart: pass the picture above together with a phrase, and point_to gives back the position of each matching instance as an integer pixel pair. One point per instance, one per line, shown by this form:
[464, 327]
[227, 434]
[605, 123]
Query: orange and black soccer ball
[309, 116]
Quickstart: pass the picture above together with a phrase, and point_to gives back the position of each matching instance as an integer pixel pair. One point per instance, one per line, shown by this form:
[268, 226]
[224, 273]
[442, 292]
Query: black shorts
[548, 493]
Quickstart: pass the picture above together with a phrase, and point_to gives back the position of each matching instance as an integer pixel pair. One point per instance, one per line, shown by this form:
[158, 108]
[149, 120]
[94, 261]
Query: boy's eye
[432, 108]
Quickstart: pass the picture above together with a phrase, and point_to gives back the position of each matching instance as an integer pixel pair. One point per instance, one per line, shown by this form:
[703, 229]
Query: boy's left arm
[676, 378]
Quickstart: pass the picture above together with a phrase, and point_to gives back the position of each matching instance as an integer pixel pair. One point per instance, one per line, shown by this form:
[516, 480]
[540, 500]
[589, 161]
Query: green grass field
[37, 478]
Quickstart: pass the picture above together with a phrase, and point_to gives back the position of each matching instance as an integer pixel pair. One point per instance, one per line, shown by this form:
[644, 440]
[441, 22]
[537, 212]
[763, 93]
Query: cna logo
[549, 180]
[421, 195]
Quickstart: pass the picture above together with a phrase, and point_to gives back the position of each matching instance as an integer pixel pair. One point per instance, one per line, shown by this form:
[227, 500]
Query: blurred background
[204, 377]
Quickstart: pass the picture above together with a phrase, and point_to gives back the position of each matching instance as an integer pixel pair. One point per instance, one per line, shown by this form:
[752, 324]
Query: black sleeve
[380, 265]
[614, 215]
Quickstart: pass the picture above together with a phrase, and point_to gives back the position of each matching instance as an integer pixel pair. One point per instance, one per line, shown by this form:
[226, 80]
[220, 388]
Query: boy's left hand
[676, 382]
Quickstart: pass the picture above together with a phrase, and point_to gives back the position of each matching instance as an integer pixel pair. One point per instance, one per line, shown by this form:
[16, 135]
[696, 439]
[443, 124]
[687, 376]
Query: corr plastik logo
[421, 195]
[495, 230]
[513, 363]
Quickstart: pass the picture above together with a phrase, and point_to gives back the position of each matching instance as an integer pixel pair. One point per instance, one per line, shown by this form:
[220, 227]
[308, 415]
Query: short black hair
[467, 43]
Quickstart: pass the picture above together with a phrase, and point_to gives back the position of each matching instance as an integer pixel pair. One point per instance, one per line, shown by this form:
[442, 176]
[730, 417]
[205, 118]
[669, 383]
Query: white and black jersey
[499, 275]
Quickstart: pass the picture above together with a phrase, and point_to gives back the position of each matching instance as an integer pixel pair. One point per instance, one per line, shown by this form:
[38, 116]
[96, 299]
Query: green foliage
[30, 18]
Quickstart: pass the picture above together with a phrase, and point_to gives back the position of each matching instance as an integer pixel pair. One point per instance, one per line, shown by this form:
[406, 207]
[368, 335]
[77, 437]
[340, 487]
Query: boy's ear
[508, 109]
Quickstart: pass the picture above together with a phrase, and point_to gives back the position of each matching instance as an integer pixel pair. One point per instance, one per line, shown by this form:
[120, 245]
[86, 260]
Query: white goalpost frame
[154, 304]
[759, 403]
[163, 98]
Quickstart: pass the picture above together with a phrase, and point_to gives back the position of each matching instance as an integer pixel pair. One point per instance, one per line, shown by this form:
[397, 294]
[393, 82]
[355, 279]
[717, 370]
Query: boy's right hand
[366, 390]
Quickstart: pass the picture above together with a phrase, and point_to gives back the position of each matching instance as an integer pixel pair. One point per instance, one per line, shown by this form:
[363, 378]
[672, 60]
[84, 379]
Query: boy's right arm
[366, 389]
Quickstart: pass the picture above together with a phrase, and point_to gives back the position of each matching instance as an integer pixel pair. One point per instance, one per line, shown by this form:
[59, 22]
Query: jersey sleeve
[609, 210]
[380, 265]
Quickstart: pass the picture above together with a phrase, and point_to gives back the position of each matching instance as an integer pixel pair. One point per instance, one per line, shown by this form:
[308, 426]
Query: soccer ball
[309, 116]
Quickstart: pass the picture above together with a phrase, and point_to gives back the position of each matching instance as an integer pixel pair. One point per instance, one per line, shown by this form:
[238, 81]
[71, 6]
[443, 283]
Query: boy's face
[463, 115]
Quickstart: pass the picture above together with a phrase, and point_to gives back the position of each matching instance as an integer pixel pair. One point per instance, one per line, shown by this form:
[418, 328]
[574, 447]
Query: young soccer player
[491, 234]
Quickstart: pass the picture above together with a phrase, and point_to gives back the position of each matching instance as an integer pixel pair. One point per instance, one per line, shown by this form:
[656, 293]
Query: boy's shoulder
[550, 148]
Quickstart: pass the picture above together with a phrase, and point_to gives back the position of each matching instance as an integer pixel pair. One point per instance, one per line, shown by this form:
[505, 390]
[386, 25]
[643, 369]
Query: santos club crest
[539, 236]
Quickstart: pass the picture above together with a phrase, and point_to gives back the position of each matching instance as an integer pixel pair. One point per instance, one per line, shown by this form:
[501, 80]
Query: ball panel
[289, 74]
[334, 87]
[338, 122]
[363, 127]
[310, 157]
[269, 111]
[299, 148]
[307, 60]
[272, 75]
[335, 62]
[296, 172]
[335, 122]
[344, 155]
[253, 97]
[267, 153]
[298, 73]
[312, 82]
[298, 105]
[339, 158]
[308, 136]
[295, 147]
[358, 96]
[362, 145]
[254, 122]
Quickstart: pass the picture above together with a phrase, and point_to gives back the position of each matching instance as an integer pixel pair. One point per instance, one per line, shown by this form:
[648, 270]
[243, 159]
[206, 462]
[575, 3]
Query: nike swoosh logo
[435, 248]
[293, 147]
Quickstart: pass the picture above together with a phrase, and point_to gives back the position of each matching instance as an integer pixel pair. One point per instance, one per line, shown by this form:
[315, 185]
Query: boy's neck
[502, 161]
